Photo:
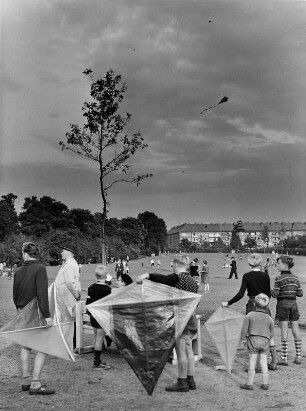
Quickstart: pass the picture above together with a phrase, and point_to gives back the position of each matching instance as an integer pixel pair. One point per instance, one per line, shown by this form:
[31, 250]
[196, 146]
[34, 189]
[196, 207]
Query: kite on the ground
[145, 321]
[29, 329]
[224, 327]
[223, 100]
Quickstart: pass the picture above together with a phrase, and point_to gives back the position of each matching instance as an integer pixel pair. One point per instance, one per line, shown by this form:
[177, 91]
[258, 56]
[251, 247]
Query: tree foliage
[155, 233]
[50, 223]
[8, 216]
[102, 138]
[40, 216]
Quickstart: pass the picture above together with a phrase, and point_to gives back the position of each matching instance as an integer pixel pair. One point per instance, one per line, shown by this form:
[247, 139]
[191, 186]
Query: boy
[97, 291]
[287, 287]
[185, 356]
[257, 330]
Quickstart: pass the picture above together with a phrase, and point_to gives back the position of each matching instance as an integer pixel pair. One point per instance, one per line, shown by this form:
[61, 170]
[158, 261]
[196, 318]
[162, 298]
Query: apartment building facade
[200, 232]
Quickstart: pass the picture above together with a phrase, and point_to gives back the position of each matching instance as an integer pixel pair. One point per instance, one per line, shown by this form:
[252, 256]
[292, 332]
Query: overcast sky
[244, 159]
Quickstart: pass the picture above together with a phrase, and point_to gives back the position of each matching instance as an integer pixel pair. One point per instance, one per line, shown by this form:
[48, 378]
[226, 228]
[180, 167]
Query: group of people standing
[30, 281]
[258, 328]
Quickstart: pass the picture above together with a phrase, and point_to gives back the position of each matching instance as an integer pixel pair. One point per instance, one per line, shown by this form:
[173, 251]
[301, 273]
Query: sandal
[40, 391]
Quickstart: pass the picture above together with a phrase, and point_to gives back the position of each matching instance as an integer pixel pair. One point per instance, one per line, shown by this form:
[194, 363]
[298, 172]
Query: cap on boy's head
[262, 300]
[101, 272]
[286, 260]
[254, 260]
[182, 260]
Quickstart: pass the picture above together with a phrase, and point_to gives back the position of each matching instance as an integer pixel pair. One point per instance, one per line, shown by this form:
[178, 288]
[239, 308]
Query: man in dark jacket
[233, 266]
[31, 281]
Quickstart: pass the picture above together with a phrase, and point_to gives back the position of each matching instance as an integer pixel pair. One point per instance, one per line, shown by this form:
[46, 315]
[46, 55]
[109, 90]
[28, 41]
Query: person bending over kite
[182, 280]
[31, 281]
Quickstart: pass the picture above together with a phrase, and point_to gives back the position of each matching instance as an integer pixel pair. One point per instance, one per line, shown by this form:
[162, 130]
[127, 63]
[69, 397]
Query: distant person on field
[194, 270]
[287, 287]
[152, 262]
[205, 276]
[233, 266]
[96, 291]
[255, 282]
[119, 268]
[257, 331]
[158, 264]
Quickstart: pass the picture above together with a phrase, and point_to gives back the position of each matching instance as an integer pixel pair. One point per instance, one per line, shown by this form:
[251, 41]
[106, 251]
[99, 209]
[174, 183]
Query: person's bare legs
[25, 354]
[264, 369]
[38, 366]
[181, 357]
[251, 371]
[99, 338]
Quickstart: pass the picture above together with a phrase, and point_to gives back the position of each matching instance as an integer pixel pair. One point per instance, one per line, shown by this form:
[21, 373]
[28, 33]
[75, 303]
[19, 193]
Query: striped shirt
[287, 286]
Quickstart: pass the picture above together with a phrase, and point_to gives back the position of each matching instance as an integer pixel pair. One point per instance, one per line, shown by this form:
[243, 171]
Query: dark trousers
[233, 271]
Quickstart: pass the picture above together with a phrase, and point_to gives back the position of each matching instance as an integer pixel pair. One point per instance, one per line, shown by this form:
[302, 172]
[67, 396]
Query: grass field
[221, 288]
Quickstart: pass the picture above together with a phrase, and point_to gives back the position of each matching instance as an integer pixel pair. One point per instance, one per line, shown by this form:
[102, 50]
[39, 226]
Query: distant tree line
[50, 223]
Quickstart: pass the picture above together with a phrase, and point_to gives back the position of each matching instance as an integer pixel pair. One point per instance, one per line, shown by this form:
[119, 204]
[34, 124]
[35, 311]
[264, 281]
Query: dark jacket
[254, 282]
[30, 281]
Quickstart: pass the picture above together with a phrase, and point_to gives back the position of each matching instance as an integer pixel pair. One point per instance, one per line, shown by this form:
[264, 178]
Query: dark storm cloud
[177, 57]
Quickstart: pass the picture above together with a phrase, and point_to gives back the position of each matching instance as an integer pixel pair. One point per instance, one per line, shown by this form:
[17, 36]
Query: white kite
[29, 330]
[224, 327]
[145, 321]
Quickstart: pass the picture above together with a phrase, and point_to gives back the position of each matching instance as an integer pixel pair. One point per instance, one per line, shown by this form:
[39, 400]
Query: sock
[251, 375]
[273, 354]
[284, 350]
[35, 384]
[97, 355]
[26, 380]
[265, 378]
[208, 288]
[298, 348]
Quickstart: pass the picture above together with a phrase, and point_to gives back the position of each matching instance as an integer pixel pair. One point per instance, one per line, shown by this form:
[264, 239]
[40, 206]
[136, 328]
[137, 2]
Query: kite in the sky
[145, 321]
[28, 328]
[223, 100]
[224, 327]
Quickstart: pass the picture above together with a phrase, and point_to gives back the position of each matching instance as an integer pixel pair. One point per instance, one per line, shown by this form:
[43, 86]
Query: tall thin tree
[102, 138]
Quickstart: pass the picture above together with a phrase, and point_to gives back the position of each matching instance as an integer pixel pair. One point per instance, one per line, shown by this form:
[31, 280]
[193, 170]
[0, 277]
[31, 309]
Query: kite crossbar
[34, 328]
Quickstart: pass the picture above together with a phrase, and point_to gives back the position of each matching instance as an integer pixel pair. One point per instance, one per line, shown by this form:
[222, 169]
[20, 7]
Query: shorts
[205, 278]
[257, 344]
[287, 310]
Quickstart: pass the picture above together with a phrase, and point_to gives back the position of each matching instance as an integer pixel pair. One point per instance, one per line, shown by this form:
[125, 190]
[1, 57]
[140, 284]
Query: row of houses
[199, 233]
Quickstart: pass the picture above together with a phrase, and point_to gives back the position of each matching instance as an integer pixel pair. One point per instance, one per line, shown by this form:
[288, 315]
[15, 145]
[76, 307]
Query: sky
[244, 159]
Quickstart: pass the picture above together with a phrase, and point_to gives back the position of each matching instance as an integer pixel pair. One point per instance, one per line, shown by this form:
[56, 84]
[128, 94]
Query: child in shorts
[257, 330]
[96, 291]
[287, 287]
